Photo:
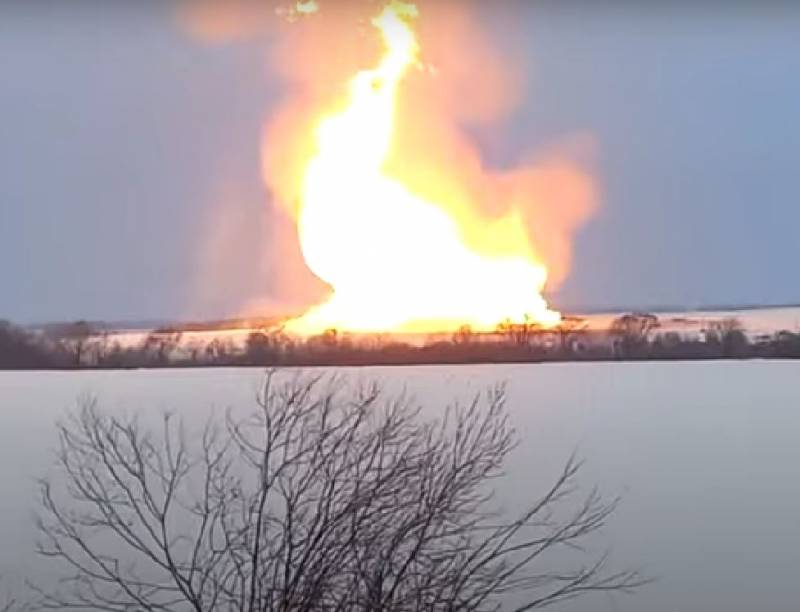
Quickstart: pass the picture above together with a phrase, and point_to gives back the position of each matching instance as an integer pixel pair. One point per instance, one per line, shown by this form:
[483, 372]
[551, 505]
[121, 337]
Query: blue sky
[119, 135]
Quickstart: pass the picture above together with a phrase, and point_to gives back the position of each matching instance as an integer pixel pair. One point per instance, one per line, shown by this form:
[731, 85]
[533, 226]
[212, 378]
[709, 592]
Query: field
[704, 455]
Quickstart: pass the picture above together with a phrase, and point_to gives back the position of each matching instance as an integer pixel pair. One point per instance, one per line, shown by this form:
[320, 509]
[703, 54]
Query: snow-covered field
[704, 454]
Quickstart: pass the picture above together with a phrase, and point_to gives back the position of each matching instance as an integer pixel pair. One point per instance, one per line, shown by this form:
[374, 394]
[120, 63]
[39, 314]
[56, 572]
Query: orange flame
[396, 261]
[383, 195]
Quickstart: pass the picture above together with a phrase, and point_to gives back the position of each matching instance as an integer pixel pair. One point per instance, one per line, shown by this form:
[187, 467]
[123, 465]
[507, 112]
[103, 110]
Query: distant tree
[100, 346]
[463, 335]
[728, 334]
[193, 352]
[218, 351]
[324, 498]
[784, 344]
[162, 344]
[20, 349]
[632, 332]
[115, 355]
[567, 328]
[667, 342]
[330, 347]
[519, 334]
[260, 349]
[74, 338]
[330, 337]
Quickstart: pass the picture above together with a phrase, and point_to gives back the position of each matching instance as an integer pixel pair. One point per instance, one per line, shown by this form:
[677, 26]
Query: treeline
[632, 336]
[79, 345]
[637, 336]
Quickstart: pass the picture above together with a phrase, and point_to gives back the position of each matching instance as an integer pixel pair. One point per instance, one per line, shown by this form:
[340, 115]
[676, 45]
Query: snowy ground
[705, 455]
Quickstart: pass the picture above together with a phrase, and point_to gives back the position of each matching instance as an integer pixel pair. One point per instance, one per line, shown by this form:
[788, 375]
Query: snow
[704, 454]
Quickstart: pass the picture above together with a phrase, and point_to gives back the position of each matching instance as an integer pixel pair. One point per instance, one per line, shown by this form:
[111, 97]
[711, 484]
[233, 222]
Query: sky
[128, 146]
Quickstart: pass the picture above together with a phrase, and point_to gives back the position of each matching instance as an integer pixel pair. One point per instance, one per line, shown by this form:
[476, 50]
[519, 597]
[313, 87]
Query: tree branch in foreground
[324, 497]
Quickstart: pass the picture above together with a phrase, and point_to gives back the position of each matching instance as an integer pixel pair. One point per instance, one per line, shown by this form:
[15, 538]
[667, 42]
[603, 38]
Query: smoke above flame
[394, 208]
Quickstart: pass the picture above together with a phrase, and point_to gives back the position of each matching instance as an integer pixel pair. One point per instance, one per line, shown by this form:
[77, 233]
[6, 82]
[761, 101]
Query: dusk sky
[123, 140]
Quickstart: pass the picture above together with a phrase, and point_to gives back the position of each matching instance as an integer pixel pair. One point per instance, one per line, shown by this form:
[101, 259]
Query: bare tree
[632, 332]
[75, 339]
[162, 344]
[269, 346]
[20, 348]
[567, 329]
[464, 335]
[729, 335]
[218, 350]
[519, 334]
[325, 497]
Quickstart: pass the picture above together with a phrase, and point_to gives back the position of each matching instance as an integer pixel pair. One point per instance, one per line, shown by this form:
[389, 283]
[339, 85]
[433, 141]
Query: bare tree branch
[325, 497]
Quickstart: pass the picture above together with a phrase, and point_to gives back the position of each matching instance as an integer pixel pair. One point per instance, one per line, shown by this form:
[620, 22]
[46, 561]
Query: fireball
[396, 261]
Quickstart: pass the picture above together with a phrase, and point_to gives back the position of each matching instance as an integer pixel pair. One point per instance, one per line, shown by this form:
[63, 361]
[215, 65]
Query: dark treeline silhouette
[631, 336]
[19, 350]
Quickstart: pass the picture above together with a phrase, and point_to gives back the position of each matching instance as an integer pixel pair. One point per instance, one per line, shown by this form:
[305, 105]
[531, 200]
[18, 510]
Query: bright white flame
[394, 260]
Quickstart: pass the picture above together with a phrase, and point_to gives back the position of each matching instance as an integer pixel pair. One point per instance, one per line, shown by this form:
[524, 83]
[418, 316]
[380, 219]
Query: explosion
[392, 207]
[394, 260]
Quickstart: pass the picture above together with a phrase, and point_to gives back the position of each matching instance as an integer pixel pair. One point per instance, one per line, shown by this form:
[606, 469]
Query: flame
[395, 260]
